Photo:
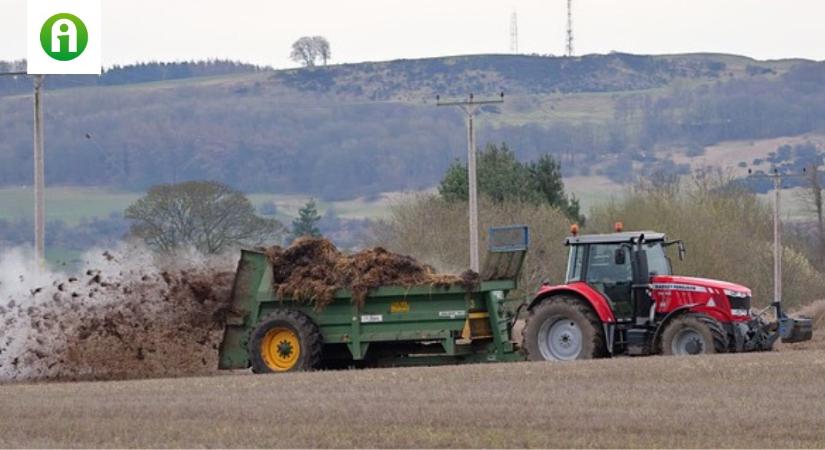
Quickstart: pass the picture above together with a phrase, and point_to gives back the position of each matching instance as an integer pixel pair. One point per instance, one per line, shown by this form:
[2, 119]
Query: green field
[69, 204]
[72, 205]
[288, 205]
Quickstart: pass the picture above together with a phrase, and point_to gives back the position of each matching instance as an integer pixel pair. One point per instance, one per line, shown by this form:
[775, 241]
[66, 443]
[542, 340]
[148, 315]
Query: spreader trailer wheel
[285, 341]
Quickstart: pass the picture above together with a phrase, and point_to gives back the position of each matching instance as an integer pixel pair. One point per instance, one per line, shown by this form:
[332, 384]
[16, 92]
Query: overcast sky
[261, 31]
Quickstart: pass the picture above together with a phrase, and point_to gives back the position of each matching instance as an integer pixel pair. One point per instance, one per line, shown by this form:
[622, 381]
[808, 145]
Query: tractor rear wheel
[285, 341]
[694, 334]
[563, 328]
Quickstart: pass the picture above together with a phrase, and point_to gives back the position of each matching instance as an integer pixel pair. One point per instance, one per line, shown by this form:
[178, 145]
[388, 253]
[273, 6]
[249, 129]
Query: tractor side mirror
[619, 257]
[682, 250]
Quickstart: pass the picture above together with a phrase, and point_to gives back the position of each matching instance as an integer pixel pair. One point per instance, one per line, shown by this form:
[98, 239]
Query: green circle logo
[64, 37]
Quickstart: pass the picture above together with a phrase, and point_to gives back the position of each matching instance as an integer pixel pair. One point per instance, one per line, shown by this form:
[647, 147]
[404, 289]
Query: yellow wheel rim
[280, 349]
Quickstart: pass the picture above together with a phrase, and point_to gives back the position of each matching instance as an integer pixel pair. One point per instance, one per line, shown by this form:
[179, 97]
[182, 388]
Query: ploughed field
[736, 400]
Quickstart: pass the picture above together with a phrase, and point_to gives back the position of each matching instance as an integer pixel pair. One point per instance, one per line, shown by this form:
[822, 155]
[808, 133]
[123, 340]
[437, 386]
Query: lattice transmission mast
[513, 33]
[569, 46]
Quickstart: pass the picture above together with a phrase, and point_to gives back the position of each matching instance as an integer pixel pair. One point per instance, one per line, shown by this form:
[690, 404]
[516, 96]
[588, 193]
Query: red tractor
[621, 297]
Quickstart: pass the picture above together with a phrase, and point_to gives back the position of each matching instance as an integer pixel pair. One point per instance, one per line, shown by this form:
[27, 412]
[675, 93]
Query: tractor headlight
[735, 294]
[739, 312]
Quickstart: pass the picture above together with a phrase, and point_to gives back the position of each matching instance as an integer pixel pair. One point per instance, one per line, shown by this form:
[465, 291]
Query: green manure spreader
[394, 326]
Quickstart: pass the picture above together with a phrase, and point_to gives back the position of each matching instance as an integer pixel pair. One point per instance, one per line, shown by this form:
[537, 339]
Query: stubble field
[750, 400]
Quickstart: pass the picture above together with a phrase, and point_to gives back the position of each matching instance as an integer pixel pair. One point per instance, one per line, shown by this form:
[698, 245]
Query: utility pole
[39, 177]
[470, 108]
[777, 238]
[776, 177]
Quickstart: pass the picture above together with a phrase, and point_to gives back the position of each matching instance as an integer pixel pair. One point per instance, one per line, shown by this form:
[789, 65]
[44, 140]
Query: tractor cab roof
[614, 238]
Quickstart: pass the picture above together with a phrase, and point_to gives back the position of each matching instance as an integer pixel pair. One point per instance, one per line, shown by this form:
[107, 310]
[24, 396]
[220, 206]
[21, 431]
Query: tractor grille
[740, 303]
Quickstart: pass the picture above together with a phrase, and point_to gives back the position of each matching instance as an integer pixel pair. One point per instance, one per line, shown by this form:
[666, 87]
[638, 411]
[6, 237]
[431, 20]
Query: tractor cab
[620, 266]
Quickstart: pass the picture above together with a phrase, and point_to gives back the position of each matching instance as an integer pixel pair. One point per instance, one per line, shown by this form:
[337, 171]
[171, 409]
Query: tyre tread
[717, 331]
[599, 347]
[308, 331]
[720, 336]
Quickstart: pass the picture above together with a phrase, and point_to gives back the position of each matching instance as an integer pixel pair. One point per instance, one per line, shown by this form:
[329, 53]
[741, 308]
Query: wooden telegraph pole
[470, 108]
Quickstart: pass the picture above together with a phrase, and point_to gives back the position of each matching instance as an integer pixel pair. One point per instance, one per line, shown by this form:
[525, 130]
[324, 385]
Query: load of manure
[311, 270]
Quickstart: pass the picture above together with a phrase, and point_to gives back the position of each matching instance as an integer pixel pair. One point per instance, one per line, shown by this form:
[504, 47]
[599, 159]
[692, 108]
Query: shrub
[434, 231]
[728, 233]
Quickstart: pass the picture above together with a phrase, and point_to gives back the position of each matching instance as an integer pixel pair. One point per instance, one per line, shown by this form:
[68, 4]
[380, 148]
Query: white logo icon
[64, 28]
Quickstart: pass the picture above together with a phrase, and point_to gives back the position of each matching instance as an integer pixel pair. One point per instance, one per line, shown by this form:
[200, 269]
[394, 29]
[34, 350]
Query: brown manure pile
[119, 322]
[312, 269]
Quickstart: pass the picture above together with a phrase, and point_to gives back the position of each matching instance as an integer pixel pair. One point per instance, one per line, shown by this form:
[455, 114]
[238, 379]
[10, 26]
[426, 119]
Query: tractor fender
[713, 311]
[592, 297]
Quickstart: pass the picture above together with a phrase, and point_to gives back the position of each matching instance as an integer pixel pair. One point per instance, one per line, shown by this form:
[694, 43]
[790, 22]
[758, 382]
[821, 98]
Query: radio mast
[513, 33]
[569, 47]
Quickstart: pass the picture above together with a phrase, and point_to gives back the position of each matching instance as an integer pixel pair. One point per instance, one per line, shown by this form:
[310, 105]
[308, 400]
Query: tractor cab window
[603, 266]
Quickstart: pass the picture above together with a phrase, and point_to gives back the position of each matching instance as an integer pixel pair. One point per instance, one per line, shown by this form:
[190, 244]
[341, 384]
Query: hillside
[355, 130]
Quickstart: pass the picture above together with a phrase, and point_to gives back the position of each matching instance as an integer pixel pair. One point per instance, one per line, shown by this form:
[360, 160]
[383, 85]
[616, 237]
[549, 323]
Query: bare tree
[322, 48]
[207, 215]
[304, 51]
[307, 50]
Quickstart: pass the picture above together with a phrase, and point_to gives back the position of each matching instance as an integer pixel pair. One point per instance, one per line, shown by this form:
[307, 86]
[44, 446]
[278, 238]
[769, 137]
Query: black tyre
[285, 341]
[563, 328]
[694, 334]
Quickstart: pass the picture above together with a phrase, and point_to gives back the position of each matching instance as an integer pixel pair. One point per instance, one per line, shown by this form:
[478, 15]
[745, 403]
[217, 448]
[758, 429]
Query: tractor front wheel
[563, 328]
[693, 334]
[285, 341]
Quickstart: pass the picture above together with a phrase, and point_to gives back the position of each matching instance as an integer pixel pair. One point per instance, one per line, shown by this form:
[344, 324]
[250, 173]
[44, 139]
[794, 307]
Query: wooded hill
[359, 129]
